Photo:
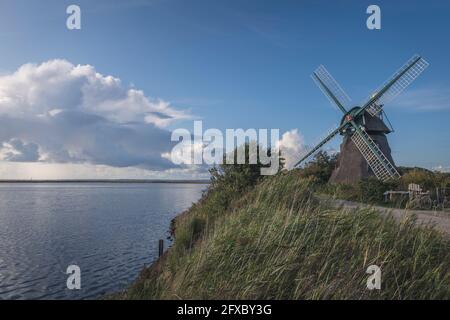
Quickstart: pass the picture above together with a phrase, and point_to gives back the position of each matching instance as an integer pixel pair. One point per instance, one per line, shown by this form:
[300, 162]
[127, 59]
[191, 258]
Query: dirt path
[440, 219]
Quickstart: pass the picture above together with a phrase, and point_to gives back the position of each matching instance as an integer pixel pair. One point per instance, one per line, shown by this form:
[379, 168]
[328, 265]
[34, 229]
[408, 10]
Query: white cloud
[17, 150]
[441, 168]
[185, 151]
[58, 112]
[292, 146]
[59, 85]
[68, 171]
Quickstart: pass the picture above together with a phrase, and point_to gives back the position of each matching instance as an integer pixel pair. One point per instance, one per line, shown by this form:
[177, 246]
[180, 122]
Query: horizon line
[199, 181]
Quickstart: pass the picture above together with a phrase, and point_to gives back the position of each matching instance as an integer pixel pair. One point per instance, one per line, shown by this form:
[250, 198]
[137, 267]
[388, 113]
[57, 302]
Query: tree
[321, 166]
[238, 177]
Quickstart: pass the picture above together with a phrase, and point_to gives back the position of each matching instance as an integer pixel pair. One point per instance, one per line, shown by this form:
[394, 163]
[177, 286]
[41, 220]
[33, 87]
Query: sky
[101, 102]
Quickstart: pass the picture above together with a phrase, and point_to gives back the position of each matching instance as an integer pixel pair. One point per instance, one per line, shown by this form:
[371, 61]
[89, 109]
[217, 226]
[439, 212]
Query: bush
[371, 190]
[426, 179]
[321, 167]
[239, 177]
[368, 190]
[228, 183]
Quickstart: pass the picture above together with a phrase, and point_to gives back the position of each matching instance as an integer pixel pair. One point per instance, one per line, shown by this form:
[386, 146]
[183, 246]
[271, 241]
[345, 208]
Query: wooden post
[161, 248]
[437, 195]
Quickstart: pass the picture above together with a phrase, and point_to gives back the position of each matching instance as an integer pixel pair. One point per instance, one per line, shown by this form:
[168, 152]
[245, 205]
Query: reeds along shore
[278, 241]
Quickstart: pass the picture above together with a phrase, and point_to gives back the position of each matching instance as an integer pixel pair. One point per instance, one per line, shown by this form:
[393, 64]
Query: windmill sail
[331, 88]
[320, 145]
[378, 162]
[353, 124]
[396, 84]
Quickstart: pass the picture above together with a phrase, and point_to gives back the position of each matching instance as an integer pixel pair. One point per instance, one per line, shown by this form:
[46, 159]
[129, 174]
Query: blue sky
[247, 64]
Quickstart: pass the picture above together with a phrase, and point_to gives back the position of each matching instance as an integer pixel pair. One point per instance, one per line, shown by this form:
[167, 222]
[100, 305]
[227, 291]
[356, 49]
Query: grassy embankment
[276, 241]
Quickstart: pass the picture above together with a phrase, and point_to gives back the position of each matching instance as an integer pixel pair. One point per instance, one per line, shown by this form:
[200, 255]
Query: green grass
[277, 241]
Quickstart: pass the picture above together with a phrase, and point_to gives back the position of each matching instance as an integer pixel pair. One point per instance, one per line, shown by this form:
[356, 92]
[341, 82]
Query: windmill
[364, 150]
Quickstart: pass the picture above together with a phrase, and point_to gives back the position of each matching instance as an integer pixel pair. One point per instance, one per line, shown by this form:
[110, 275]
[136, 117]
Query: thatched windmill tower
[365, 150]
[351, 165]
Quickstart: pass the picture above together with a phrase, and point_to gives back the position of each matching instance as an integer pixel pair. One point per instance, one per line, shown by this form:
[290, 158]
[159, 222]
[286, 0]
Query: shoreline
[154, 267]
[108, 181]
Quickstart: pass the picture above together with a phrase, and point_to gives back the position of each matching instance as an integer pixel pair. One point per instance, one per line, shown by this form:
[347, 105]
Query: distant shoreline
[108, 181]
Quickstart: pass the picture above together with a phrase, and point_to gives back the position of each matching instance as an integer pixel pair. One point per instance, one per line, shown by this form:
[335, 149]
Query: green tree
[321, 167]
[238, 177]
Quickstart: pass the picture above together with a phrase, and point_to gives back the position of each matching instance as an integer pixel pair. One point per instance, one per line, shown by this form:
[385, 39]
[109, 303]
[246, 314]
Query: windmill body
[365, 150]
[351, 165]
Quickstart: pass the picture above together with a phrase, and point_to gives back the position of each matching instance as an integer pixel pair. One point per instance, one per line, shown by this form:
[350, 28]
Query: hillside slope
[277, 241]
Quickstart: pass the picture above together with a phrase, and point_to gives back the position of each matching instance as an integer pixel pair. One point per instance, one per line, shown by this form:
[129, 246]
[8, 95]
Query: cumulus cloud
[292, 147]
[59, 112]
[17, 150]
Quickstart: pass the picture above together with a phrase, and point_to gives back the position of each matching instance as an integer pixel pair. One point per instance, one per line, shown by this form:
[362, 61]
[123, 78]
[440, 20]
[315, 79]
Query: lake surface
[110, 230]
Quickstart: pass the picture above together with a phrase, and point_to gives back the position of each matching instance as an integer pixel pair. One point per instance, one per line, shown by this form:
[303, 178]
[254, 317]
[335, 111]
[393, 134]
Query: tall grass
[278, 242]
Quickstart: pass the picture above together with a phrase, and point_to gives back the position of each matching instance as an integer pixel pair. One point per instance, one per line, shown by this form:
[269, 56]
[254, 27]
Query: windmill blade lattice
[361, 126]
[331, 88]
[319, 145]
[397, 83]
[378, 162]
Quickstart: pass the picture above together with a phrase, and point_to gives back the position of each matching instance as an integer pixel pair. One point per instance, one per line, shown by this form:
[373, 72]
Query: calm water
[109, 230]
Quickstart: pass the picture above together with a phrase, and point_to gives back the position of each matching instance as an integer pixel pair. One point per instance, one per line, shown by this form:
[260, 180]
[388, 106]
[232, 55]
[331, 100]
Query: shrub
[321, 167]
[371, 190]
